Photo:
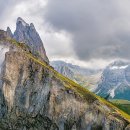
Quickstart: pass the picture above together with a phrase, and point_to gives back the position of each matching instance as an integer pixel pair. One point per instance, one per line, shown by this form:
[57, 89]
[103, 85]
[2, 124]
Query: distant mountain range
[86, 77]
[113, 81]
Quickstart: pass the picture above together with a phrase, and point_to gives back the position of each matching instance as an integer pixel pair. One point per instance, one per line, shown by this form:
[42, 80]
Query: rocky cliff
[33, 96]
[27, 34]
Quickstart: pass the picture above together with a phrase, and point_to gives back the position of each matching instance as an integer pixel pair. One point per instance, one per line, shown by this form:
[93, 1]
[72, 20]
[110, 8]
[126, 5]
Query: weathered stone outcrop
[27, 33]
[32, 98]
[128, 127]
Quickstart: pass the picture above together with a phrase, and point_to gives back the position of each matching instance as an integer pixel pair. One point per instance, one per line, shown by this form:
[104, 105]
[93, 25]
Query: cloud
[89, 30]
[100, 29]
[57, 43]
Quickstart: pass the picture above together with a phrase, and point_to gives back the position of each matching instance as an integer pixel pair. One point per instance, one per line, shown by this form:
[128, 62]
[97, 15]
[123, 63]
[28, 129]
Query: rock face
[115, 81]
[32, 97]
[9, 33]
[27, 34]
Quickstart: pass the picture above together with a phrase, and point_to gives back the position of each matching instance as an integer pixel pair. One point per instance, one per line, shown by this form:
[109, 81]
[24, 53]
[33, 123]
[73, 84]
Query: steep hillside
[86, 77]
[33, 96]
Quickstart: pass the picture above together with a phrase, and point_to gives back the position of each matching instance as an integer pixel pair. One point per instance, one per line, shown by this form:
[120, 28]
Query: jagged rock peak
[20, 20]
[27, 33]
[32, 26]
[115, 81]
[119, 63]
[9, 32]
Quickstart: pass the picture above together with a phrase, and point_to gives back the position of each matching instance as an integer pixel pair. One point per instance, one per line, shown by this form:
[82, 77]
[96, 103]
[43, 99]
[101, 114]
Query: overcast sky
[86, 32]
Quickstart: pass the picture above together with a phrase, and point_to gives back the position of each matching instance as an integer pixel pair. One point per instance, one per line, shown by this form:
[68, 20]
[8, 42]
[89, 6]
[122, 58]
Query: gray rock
[27, 33]
[115, 81]
[32, 97]
[9, 33]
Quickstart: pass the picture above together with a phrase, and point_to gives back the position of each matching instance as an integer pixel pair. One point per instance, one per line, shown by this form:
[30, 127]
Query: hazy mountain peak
[20, 20]
[115, 81]
[119, 63]
[32, 25]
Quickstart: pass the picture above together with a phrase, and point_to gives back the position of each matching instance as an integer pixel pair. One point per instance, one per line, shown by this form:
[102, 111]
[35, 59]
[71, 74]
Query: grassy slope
[120, 101]
[88, 82]
[122, 104]
[72, 85]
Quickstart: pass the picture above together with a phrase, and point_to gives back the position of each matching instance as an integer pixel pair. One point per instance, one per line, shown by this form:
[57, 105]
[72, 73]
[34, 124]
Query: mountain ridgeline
[86, 77]
[113, 81]
[34, 96]
[27, 33]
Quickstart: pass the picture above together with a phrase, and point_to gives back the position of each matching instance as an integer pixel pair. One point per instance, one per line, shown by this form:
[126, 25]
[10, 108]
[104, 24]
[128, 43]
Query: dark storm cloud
[100, 28]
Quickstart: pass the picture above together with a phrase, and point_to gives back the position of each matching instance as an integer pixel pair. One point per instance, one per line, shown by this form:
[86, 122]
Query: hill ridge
[76, 87]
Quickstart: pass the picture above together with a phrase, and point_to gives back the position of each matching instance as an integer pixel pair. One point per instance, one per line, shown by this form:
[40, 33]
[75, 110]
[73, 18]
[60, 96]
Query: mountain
[115, 81]
[33, 96]
[27, 34]
[86, 77]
